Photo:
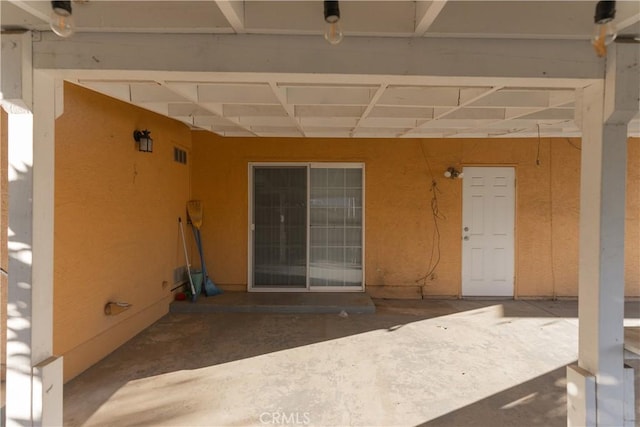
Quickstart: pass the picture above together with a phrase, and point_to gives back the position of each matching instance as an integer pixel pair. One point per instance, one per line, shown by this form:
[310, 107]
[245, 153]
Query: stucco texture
[116, 223]
[398, 215]
[116, 210]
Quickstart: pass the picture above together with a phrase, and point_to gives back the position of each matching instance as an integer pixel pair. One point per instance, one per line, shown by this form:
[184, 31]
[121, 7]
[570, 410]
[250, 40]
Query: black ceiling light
[605, 30]
[61, 18]
[333, 32]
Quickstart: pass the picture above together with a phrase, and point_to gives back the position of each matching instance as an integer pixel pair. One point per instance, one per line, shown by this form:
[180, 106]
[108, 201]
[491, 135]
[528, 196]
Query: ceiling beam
[233, 11]
[281, 94]
[553, 102]
[39, 9]
[456, 61]
[426, 14]
[374, 100]
[190, 92]
[471, 95]
[625, 23]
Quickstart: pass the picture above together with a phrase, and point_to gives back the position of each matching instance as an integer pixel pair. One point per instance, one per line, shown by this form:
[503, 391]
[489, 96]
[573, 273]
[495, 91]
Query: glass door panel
[280, 227]
[335, 210]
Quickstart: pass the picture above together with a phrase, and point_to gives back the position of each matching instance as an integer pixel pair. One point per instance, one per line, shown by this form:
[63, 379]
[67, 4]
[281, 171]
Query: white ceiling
[316, 105]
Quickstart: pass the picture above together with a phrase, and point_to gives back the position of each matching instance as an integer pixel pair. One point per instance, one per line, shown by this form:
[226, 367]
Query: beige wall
[399, 222]
[116, 223]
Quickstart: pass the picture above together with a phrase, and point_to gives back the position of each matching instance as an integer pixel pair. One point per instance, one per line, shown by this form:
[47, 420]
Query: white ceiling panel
[261, 101]
[153, 92]
[117, 90]
[215, 121]
[248, 110]
[516, 18]
[458, 124]
[306, 17]
[378, 132]
[253, 121]
[150, 16]
[477, 113]
[514, 98]
[420, 96]
[328, 111]
[236, 134]
[185, 119]
[322, 109]
[328, 122]
[188, 109]
[550, 114]
[329, 95]
[156, 107]
[16, 18]
[311, 130]
[407, 112]
[389, 122]
[237, 94]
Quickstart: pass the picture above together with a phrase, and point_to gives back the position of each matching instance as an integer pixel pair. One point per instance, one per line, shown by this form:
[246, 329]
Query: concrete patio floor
[431, 363]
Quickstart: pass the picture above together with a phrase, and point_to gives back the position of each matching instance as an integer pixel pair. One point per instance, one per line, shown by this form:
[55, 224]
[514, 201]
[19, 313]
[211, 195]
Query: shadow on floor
[213, 339]
[539, 402]
[200, 352]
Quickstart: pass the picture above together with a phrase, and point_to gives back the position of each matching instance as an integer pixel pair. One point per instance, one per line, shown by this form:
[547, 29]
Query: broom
[194, 208]
[194, 294]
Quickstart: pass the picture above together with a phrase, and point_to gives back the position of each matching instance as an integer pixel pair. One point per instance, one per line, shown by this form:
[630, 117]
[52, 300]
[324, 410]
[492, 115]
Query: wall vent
[180, 155]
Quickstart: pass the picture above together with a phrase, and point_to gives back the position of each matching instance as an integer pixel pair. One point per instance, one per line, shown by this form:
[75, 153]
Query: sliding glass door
[306, 227]
[280, 227]
[336, 227]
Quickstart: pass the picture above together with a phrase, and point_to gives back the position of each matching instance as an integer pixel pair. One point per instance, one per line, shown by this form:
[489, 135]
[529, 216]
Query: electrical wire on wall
[571, 143]
[434, 257]
[538, 151]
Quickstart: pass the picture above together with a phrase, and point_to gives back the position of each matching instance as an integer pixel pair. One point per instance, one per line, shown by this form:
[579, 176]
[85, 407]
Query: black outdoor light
[143, 138]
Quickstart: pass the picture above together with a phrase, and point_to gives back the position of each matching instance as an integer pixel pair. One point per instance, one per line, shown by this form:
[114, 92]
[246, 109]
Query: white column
[34, 375]
[606, 108]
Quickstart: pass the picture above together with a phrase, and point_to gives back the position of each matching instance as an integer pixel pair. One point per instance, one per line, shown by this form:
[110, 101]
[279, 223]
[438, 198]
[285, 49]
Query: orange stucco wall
[399, 224]
[116, 209]
[116, 223]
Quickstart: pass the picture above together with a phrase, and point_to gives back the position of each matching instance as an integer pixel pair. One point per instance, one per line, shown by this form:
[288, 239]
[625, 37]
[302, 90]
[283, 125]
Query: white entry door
[488, 212]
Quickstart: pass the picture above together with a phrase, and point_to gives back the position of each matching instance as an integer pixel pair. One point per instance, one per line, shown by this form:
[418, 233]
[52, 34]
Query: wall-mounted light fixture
[143, 138]
[333, 32]
[453, 173]
[61, 18]
[605, 29]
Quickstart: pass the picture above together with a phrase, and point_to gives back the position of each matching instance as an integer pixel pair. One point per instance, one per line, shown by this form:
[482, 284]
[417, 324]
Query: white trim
[468, 289]
[364, 204]
[308, 226]
[251, 227]
[498, 62]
